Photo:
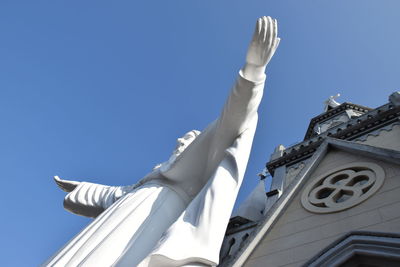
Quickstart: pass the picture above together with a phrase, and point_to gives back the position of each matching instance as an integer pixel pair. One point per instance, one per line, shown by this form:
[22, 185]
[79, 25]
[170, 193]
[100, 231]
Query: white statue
[177, 214]
[331, 102]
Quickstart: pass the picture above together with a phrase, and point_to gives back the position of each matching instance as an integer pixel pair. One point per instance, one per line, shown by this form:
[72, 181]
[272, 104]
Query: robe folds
[175, 216]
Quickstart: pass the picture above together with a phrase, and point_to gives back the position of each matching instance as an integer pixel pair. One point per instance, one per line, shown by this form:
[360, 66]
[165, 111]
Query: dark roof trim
[331, 113]
[368, 122]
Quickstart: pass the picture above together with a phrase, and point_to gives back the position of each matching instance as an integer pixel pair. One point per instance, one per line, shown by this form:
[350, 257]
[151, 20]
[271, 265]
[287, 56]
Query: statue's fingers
[263, 29]
[268, 35]
[275, 29]
[58, 180]
[275, 46]
[256, 34]
[65, 185]
[277, 41]
[259, 25]
[270, 31]
[266, 29]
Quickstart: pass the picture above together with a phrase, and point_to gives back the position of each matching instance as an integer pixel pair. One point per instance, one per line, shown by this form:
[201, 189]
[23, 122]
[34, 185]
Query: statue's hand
[262, 48]
[264, 42]
[66, 185]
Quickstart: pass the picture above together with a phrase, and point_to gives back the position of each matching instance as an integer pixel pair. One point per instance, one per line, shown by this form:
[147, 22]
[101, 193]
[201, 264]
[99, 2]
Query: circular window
[343, 187]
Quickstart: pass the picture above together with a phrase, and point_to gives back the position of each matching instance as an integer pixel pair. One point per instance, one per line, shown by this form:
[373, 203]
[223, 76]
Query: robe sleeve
[89, 199]
[197, 235]
[237, 115]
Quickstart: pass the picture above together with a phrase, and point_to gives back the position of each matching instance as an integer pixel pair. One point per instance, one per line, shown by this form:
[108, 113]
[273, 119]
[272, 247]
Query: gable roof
[388, 155]
[368, 122]
[331, 112]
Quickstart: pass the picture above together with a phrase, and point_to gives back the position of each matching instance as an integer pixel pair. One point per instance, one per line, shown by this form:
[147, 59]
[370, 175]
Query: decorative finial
[278, 152]
[263, 174]
[331, 102]
[394, 98]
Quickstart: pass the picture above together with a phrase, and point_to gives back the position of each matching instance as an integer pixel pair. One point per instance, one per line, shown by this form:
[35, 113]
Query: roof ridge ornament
[331, 103]
[394, 98]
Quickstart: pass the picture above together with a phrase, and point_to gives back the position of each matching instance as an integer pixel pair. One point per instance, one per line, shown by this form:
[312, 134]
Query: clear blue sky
[100, 90]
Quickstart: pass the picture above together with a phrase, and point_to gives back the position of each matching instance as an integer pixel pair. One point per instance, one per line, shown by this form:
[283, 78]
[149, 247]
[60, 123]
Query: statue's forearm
[242, 104]
[89, 199]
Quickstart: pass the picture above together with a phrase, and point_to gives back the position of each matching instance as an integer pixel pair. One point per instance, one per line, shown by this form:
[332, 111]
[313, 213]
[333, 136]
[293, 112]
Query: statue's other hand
[66, 185]
[264, 43]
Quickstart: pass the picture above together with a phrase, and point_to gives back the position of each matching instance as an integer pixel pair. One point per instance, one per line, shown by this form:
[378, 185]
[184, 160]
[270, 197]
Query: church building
[334, 198]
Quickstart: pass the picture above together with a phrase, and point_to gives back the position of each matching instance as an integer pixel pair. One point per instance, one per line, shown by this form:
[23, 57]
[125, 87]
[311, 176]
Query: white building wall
[299, 234]
[389, 138]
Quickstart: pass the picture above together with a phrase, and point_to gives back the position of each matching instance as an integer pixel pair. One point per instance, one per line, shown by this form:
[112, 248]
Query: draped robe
[175, 216]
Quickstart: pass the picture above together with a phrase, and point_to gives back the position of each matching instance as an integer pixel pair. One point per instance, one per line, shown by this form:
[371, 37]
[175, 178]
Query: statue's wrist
[253, 72]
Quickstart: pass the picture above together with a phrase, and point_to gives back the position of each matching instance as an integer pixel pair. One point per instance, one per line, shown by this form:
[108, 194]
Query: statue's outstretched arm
[238, 114]
[240, 109]
[89, 199]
